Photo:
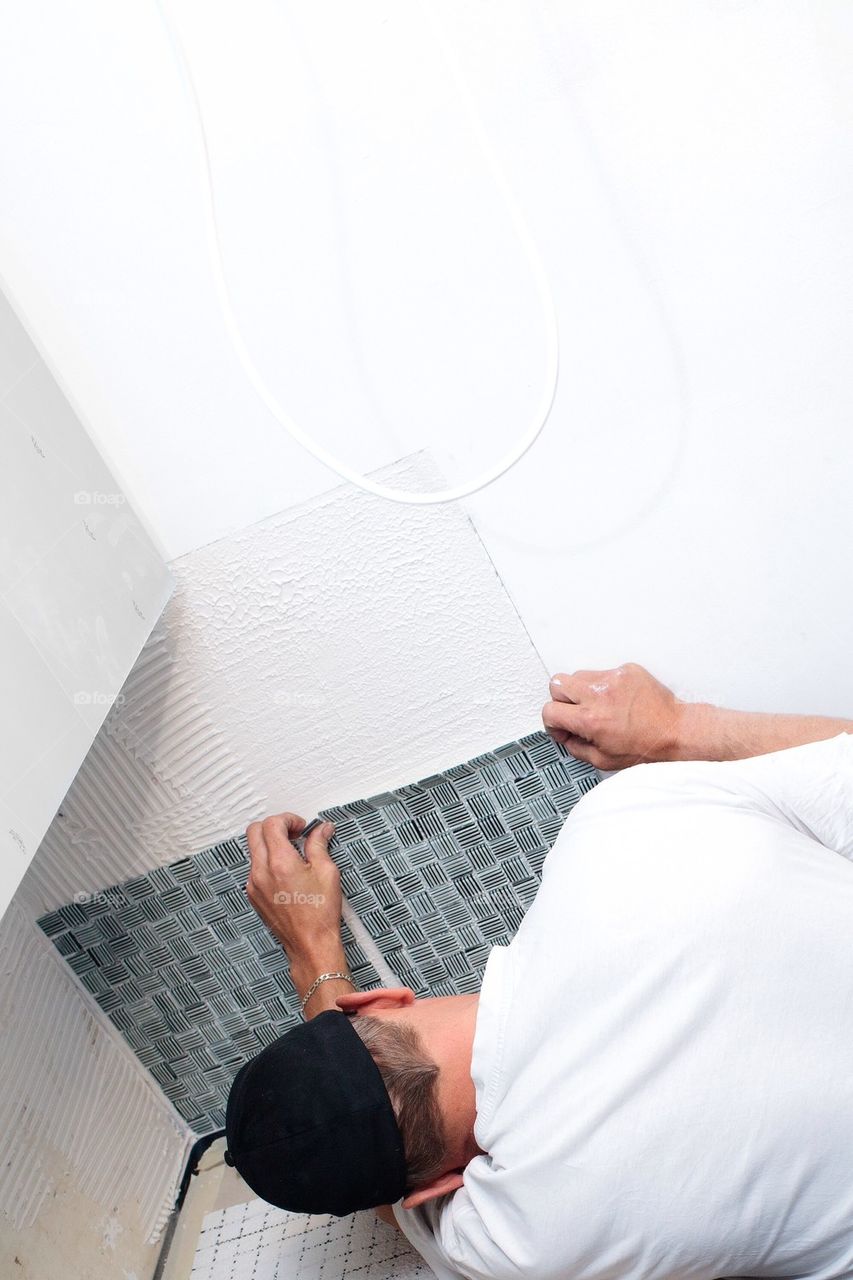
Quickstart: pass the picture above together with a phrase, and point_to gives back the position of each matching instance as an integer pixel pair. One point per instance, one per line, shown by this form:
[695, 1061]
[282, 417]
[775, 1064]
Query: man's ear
[440, 1186]
[380, 998]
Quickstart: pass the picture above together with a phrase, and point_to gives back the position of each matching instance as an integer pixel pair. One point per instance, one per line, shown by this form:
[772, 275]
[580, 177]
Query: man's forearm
[306, 966]
[624, 716]
[706, 732]
[297, 894]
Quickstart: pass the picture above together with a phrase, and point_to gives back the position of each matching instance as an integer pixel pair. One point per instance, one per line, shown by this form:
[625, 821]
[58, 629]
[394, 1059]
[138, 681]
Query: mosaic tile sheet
[442, 870]
[438, 872]
[254, 1241]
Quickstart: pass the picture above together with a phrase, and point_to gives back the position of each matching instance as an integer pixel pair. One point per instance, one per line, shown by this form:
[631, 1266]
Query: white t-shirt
[663, 1057]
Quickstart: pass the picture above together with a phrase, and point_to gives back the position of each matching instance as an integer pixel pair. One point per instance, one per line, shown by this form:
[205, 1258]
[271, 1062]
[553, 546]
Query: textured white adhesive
[334, 650]
[143, 795]
[74, 1098]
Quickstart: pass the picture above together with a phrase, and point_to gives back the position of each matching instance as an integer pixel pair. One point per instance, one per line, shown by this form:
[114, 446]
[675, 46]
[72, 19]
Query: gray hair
[411, 1077]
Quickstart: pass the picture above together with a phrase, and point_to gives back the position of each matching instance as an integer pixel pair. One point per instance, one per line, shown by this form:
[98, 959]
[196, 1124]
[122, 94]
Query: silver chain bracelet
[324, 977]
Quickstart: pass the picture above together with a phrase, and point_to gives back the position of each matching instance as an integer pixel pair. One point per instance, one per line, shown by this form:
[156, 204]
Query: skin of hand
[615, 718]
[299, 900]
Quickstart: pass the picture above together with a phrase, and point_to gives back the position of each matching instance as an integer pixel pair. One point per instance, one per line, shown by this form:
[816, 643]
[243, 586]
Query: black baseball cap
[310, 1126]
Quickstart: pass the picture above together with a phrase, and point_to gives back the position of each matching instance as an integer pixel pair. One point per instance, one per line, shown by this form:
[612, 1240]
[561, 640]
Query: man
[656, 1078]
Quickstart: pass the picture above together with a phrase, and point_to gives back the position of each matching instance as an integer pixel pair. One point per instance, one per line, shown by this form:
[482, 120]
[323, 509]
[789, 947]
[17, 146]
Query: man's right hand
[299, 900]
[617, 718]
[614, 719]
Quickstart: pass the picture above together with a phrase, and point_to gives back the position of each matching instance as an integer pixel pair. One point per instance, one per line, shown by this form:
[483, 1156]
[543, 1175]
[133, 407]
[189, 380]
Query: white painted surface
[81, 585]
[322, 655]
[686, 170]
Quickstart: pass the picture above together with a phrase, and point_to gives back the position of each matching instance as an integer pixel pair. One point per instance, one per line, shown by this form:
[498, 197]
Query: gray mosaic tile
[438, 871]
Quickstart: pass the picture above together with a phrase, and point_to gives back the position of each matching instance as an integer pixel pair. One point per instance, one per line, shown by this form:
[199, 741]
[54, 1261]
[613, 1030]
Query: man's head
[359, 1107]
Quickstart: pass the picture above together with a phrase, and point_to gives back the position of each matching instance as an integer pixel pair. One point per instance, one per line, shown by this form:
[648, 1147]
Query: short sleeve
[809, 787]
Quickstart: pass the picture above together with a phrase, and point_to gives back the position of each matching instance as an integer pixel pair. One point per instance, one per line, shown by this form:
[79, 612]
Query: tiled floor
[253, 1241]
[221, 1210]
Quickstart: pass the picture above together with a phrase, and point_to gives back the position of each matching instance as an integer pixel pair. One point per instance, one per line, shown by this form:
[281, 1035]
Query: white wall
[81, 586]
[92, 1149]
[686, 170]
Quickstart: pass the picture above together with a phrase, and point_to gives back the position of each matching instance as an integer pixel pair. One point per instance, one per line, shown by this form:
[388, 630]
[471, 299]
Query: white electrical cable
[552, 349]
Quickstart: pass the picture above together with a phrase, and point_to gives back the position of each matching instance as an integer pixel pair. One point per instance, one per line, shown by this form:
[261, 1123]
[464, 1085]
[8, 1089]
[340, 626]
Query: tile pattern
[438, 872]
[254, 1241]
[187, 972]
[442, 870]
